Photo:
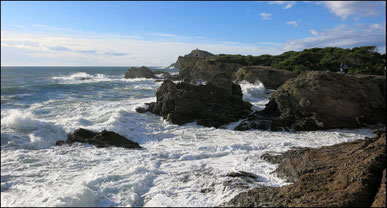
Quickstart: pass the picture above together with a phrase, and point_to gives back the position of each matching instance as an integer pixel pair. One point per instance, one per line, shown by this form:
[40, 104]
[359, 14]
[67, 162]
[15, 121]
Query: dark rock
[102, 139]
[60, 142]
[141, 72]
[242, 174]
[380, 198]
[217, 103]
[323, 100]
[271, 78]
[343, 175]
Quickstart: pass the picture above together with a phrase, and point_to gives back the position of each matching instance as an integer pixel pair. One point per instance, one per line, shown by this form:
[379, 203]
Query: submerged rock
[217, 103]
[323, 100]
[101, 139]
[343, 175]
[271, 78]
[141, 72]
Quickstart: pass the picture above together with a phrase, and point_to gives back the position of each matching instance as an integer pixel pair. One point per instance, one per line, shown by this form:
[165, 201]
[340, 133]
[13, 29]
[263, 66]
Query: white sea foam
[81, 76]
[256, 94]
[178, 165]
[40, 133]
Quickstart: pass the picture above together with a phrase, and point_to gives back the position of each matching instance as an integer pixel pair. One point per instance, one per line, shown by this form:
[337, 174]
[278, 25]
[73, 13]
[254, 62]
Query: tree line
[360, 60]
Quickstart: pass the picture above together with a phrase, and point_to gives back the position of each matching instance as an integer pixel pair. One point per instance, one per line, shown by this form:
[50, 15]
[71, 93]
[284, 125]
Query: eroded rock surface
[99, 139]
[345, 175]
[323, 100]
[217, 103]
[271, 78]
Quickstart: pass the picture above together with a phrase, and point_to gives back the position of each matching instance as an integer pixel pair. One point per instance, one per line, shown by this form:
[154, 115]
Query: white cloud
[265, 16]
[37, 48]
[294, 23]
[345, 37]
[344, 9]
[288, 4]
[313, 32]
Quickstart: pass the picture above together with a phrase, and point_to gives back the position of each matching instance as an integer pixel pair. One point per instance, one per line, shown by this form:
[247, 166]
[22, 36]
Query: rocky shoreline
[346, 174]
[350, 174]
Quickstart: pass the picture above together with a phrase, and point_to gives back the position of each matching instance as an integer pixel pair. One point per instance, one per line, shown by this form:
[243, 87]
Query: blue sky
[156, 33]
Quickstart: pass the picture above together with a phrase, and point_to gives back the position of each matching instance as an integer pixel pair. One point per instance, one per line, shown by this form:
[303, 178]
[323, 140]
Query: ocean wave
[32, 133]
[81, 76]
[253, 92]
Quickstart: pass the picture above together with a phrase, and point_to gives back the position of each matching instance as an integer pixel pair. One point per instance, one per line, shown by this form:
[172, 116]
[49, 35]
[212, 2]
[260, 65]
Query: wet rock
[242, 174]
[271, 78]
[101, 139]
[217, 103]
[141, 72]
[323, 100]
[343, 175]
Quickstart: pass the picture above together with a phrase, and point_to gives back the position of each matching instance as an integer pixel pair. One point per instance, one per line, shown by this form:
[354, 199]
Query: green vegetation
[360, 60]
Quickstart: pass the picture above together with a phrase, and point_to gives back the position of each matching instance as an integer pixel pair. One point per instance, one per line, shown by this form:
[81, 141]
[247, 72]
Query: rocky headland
[202, 66]
[350, 174]
[217, 103]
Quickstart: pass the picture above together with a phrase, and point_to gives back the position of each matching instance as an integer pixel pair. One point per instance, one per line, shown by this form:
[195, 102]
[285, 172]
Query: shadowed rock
[141, 72]
[343, 175]
[323, 100]
[101, 139]
[217, 103]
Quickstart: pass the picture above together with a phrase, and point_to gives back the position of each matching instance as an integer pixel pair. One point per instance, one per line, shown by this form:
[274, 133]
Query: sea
[185, 165]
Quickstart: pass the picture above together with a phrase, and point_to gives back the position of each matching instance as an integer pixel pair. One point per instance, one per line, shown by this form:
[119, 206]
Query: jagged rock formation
[343, 175]
[141, 72]
[271, 78]
[201, 65]
[217, 103]
[323, 100]
[99, 139]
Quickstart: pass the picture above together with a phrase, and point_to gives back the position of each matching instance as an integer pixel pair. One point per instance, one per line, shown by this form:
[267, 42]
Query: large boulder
[323, 100]
[99, 139]
[141, 72]
[271, 78]
[343, 175]
[217, 103]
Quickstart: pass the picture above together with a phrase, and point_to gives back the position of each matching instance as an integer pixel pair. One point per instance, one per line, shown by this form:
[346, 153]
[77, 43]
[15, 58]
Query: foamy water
[178, 166]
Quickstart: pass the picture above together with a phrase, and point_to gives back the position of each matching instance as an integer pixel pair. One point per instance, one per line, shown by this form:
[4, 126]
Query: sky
[130, 33]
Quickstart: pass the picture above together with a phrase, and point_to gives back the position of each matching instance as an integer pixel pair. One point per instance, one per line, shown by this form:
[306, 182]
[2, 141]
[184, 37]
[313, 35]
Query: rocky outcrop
[271, 78]
[101, 139]
[199, 54]
[192, 69]
[141, 72]
[217, 103]
[343, 175]
[202, 66]
[323, 100]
